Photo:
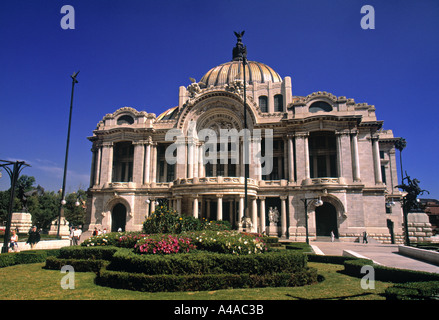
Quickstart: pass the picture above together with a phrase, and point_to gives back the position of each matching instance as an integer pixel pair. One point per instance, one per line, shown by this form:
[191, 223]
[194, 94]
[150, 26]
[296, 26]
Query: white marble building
[324, 147]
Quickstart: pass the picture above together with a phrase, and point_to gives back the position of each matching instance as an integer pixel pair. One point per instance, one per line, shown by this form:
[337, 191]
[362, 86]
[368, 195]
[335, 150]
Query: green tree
[75, 208]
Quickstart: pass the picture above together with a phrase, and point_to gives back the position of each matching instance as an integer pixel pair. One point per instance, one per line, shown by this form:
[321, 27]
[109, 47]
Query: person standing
[332, 236]
[13, 243]
[34, 237]
[76, 236]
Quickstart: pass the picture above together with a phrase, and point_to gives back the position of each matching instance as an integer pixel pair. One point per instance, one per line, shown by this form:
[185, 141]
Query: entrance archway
[326, 220]
[118, 217]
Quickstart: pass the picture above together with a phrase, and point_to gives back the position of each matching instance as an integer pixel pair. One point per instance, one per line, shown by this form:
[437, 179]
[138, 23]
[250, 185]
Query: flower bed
[224, 241]
[231, 241]
[163, 244]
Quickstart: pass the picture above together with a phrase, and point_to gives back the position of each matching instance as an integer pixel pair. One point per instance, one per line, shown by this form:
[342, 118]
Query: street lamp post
[307, 202]
[63, 190]
[241, 54]
[13, 174]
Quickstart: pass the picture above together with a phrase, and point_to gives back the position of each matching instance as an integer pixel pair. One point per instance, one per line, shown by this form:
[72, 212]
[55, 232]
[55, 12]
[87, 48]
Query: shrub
[195, 282]
[207, 262]
[227, 242]
[79, 265]
[7, 259]
[413, 291]
[164, 244]
[162, 220]
[104, 239]
[219, 225]
[129, 239]
[87, 253]
[388, 274]
[24, 257]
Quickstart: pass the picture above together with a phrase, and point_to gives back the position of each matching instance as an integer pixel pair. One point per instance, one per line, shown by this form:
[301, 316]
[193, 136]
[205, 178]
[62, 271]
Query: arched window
[263, 103]
[125, 119]
[278, 103]
[320, 106]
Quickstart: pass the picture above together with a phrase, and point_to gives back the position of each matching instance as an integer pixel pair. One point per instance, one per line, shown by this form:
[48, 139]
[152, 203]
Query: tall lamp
[307, 201]
[63, 190]
[13, 174]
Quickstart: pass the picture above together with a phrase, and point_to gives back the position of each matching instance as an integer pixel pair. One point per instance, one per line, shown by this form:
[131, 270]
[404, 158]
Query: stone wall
[419, 227]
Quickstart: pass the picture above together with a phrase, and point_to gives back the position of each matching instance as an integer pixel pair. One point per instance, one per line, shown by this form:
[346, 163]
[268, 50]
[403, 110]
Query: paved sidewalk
[385, 254]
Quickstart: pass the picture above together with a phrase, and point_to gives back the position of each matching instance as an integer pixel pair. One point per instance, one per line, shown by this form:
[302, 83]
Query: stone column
[97, 173]
[254, 215]
[138, 161]
[153, 177]
[190, 158]
[306, 154]
[147, 203]
[262, 214]
[179, 205]
[195, 207]
[283, 218]
[147, 166]
[290, 159]
[152, 205]
[355, 158]
[256, 158]
[344, 155]
[93, 165]
[107, 162]
[376, 160]
[201, 172]
[219, 213]
[241, 208]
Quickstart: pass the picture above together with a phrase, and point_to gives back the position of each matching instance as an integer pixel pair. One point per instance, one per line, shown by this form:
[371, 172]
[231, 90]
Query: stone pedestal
[21, 221]
[419, 227]
[64, 230]
[273, 230]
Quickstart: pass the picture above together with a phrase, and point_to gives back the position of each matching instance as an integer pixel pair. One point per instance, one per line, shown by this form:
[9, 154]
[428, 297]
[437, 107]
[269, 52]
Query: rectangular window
[383, 174]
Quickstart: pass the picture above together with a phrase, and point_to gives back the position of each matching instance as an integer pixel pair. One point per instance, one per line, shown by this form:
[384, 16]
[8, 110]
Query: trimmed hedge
[388, 274]
[413, 291]
[207, 262]
[79, 265]
[87, 253]
[25, 257]
[328, 259]
[196, 282]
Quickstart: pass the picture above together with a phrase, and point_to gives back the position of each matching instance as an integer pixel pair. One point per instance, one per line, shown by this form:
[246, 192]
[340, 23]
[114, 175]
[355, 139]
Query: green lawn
[32, 282]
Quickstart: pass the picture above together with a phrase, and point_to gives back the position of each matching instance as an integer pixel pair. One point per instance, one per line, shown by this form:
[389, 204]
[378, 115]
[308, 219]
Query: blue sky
[137, 54]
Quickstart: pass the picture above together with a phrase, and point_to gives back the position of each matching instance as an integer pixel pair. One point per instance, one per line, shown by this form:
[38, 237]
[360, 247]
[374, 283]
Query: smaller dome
[226, 73]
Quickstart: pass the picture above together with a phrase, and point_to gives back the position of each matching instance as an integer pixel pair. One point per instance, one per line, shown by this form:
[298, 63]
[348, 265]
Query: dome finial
[240, 50]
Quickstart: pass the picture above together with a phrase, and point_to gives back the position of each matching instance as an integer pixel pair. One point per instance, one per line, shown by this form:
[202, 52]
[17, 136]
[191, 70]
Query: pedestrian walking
[332, 236]
[34, 237]
[365, 237]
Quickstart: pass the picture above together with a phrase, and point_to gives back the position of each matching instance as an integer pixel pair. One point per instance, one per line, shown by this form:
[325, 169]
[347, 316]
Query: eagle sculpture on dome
[239, 35]
[240, 50]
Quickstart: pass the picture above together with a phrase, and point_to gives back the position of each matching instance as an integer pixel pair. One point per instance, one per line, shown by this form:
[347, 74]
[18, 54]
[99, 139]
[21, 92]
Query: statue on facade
[273, 216]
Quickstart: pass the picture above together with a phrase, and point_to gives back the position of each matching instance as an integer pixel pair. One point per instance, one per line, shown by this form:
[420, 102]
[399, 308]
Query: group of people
[75, 235]
[32, 240]
[34, 237]
[365, 235]
[97, 232]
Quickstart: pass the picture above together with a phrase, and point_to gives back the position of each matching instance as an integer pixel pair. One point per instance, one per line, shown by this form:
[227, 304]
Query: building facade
[323, 147]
